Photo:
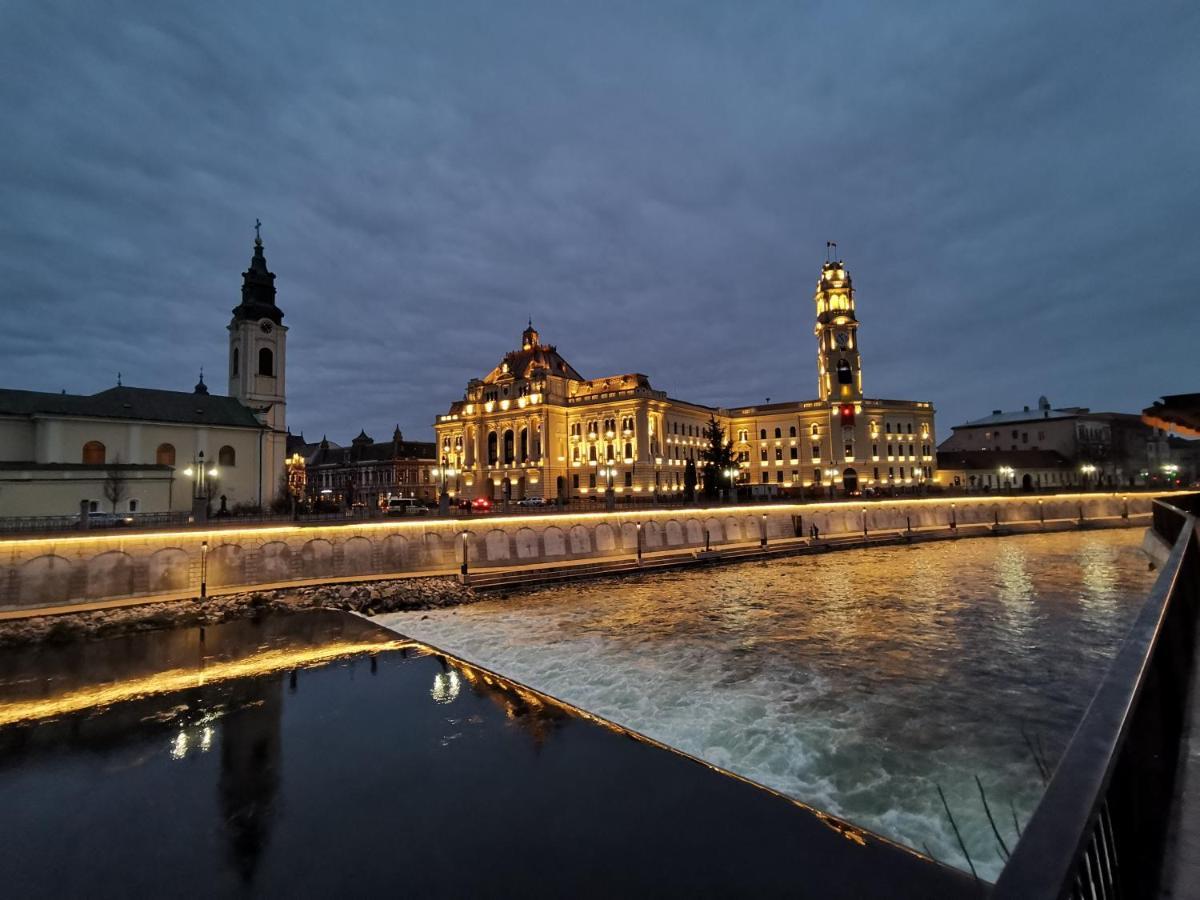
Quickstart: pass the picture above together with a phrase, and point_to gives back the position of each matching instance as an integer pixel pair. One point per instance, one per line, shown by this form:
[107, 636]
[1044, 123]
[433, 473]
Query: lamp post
[1088, 470]
[1007, 474]
[200, 473]
[1171, 471]
[831, 473]
[732, 474]
[609, 471]
[445, 472]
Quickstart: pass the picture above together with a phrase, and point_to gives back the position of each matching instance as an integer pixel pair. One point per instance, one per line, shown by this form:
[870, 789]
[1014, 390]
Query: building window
[226, 456]
[795, 453]
[235, 360]
[762, 454]
[93, 453]
[628, 479]
[133, 506]
[816, 476]
[93, 506]
[165, 455]
[849, 450]
[266, 362]
[762, 434]
[778, 432]
[816, 453]
[792, 431]
[778, 454]
[592, 481]
[766, 476]
[575, 482]
[815, 431]
[779, 476]
[743, 435]
[845, 376]
[628, 450]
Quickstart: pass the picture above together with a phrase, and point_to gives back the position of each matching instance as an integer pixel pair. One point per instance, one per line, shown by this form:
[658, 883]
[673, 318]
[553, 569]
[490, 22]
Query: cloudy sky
[1016, 191]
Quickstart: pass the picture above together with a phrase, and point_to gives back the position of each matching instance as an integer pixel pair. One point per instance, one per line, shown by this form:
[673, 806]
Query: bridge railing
[1100, 827]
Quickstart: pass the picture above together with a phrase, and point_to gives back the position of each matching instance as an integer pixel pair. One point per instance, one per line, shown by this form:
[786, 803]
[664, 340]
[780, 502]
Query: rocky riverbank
[369, 599]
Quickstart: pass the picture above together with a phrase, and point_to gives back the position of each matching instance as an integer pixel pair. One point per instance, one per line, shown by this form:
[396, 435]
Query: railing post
[203, 569]
[762, 538]
[639, 543]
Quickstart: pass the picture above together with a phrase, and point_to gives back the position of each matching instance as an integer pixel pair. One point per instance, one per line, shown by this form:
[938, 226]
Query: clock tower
[839, 367]
[257, 356]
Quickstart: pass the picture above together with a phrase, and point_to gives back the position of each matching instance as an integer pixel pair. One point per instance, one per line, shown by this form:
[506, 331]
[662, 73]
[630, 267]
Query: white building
[132, 448]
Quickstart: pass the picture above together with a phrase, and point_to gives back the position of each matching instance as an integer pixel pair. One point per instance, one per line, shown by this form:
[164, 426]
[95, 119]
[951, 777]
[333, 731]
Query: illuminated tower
[839, 367]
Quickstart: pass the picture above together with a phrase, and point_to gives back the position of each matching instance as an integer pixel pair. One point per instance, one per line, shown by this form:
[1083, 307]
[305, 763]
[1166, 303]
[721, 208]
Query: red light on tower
[847, 414]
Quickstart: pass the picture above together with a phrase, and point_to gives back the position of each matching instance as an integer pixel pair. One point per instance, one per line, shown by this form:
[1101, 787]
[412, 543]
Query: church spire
[258, 286]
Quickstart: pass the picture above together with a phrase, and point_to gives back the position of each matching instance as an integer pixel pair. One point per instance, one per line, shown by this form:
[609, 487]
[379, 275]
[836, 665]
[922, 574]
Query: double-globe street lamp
[1088, 471]
[445, 473]
[832, 473]
[1007, 474]
[732, 474]
[201, 474]
[608, 471]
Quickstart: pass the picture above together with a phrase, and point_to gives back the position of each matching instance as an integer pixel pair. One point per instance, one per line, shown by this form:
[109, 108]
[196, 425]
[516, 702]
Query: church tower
[257, 356]
[839, 367]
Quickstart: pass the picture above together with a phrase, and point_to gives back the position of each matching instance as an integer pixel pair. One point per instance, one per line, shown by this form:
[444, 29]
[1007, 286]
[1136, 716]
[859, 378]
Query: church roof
[144, 404]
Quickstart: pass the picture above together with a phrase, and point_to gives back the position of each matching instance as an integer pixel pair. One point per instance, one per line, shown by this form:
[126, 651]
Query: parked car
[108, 520]
[406, 506]
[532, 501]
[481, 505]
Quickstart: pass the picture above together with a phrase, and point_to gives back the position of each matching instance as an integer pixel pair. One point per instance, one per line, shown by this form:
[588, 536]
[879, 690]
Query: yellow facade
[533, 426]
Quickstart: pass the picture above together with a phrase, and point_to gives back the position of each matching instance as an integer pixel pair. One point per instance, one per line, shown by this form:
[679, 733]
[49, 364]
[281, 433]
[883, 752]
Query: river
[857, 682]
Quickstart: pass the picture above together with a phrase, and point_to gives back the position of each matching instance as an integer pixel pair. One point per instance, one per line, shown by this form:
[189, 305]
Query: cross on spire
[257, 233]
[830, 250]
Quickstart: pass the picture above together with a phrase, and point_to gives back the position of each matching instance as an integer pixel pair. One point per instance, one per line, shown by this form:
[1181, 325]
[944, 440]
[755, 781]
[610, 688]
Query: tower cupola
[839, 366]
[258, 287]
[529, 337]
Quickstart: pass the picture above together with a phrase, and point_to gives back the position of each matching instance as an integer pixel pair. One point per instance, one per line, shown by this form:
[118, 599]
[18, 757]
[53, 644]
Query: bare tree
[116, 485]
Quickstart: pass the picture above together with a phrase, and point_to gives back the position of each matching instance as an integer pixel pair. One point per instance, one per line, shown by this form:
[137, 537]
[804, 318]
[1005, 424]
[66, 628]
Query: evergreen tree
[717, 458]
[689, 481]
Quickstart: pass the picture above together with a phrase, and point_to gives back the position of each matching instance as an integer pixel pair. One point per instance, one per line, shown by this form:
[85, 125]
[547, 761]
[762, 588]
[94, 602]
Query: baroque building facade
[534, 426]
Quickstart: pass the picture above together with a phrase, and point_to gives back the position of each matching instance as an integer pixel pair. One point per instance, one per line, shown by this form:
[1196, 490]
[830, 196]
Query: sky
[1014, 187]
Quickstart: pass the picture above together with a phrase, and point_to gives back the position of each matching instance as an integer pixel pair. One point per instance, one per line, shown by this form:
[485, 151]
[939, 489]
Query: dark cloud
[1015, 191]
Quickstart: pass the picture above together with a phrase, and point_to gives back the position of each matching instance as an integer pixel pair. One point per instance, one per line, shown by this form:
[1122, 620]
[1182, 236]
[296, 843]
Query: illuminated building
[534, 426]
[368, 472]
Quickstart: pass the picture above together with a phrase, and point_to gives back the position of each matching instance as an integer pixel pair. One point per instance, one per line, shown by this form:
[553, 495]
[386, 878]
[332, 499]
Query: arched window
[226, 456]
[524, 444]
[628, 450]
[491, 451]
[778, 432]
[266, 362]
[845, 375]
[792, 431]
[816, 431]
[165, 455]
[93, 453]
[508, 446]
[236, 354]
[762, 434]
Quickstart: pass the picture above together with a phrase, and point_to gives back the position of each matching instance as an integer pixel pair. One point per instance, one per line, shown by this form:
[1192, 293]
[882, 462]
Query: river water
[858, 682]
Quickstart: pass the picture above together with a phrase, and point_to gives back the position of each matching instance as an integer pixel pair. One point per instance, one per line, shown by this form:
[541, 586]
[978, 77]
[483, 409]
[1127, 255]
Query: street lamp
[200, 473]
[608, 471]
[732, 474]
[1007, 474]
[446, 473]
[1088, 470]
[1171, 471]
[831, 473]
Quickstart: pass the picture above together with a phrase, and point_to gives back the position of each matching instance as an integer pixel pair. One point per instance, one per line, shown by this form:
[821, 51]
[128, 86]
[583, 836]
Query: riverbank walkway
[493, 577]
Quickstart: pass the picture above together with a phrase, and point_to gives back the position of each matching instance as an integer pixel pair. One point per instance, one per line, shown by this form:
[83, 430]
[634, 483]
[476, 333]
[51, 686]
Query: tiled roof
[144, 404]
[523, 363]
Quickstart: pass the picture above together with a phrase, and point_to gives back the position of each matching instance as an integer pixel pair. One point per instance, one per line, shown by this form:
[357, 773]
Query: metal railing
[1100, 827]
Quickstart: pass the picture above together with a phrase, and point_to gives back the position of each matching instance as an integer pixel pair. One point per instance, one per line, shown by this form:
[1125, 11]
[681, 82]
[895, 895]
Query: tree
[717, 458]
[284, 496]
[116, 486]
[689, 481]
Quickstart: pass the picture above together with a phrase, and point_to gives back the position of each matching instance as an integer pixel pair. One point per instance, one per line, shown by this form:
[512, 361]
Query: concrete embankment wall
[46, 571]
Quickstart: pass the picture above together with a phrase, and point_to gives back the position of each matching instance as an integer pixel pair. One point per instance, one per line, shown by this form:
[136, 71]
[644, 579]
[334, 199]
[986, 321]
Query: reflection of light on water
[1100, 575]
[184, 742]
[1015, 583]
[446, 686]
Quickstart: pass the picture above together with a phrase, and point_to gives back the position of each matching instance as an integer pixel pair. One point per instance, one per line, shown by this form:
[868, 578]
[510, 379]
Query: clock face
[266, 327]
[842, 339]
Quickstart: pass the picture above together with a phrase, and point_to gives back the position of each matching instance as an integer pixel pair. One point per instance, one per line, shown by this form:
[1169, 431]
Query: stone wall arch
[652, 535]
[733, 530]
[496, 542]
[526, 542]
[435, 549]
[606, 540]
[395, 553]
[629, 535]
[274, 562]
[554, 542]
[674, 533]
[316, 558]
[226, 565]
[167, 570]
[716, 534]
[581, 540]
[110, 574]
[358, 556]
[695, 532]
[45, 580]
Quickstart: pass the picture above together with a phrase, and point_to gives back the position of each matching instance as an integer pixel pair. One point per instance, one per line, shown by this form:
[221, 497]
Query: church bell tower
[257, 356]
[839, 367]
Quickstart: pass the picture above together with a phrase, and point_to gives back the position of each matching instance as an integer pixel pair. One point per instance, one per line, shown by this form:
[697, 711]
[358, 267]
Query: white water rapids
[856, 682]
